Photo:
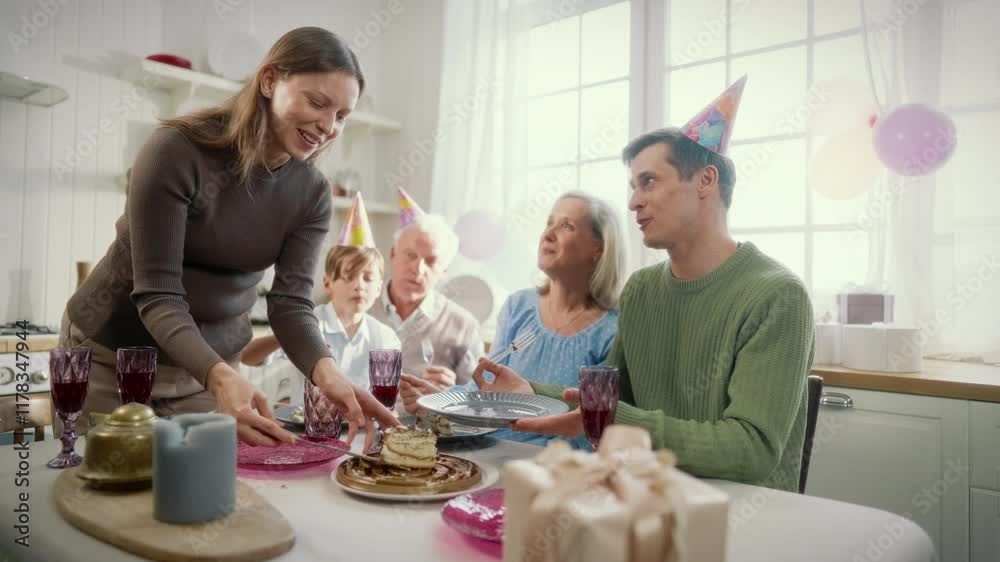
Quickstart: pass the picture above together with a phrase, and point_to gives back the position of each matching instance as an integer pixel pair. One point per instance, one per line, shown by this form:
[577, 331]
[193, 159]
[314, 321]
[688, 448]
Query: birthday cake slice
[409, 448]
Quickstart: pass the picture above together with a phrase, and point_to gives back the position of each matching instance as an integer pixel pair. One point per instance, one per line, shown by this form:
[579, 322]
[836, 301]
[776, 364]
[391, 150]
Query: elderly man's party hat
[713, 126]
[408, 208]
[356, 232]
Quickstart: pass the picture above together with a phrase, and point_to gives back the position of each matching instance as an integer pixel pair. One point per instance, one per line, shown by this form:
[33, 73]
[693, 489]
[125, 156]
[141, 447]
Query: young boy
[353, 281]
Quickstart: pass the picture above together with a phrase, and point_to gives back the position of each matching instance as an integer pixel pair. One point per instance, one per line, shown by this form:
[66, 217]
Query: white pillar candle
[194, 468]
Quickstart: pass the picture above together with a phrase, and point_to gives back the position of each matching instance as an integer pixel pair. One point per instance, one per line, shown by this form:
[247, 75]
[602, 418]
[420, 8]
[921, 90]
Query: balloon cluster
[480, 235]
[913, 139]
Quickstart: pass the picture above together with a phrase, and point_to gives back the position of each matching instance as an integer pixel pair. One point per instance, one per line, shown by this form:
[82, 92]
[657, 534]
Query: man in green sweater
[714, 345]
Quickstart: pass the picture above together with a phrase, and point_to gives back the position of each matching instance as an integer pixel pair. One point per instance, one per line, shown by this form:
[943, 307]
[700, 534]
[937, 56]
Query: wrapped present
[625, 503]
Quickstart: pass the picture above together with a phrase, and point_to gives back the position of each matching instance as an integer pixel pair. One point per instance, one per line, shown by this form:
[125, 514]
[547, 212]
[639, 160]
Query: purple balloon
[914, 139]
[480, 235]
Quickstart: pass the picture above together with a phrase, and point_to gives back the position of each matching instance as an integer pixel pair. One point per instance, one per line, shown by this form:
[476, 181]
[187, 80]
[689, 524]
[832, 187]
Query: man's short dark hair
[687, 156]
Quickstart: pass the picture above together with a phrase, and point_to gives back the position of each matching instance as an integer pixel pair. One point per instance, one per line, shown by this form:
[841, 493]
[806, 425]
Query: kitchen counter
[764, 524]
[942, 379]
[46, 342]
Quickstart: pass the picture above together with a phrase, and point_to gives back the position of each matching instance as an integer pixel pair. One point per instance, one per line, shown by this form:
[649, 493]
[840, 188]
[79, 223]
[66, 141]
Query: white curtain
[937, 245]
[478, 166]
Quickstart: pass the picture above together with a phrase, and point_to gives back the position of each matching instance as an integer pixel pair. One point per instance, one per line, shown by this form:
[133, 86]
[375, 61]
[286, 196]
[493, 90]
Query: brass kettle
[120, 449]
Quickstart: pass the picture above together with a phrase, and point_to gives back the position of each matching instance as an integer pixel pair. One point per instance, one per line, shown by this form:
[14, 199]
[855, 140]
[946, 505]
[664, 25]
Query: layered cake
[437, 424]
[409, 448]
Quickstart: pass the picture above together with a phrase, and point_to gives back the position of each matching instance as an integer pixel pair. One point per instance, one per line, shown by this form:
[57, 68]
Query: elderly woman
[582, 254]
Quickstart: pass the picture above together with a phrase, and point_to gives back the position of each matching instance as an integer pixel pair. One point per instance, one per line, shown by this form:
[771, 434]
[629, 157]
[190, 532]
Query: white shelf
[159, 76]
[373, 208]
[182, 83]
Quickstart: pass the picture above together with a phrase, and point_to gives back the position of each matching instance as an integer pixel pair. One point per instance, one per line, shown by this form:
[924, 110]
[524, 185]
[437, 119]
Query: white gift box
[625, 503]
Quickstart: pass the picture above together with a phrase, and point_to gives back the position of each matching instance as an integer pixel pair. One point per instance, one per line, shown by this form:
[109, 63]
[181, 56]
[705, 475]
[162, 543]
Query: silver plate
[462, 432]
[284, 414]
[490, 409]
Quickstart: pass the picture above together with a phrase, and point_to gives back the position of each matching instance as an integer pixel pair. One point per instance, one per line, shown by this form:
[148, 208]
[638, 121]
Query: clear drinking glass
[598, 400]
[69, 371]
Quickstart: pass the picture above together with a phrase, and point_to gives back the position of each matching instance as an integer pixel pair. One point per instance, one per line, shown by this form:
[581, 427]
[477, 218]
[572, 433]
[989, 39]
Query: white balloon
[846, 165]
[838, 105]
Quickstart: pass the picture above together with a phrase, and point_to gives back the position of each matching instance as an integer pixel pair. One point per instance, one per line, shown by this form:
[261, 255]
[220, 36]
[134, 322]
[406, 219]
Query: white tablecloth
[765, 525]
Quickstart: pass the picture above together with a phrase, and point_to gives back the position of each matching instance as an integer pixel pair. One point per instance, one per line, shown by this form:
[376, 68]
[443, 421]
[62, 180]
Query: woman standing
[215, 198]
[572, 314]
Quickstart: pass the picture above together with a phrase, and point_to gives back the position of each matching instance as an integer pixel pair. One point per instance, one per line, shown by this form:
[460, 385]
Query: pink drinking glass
[384, 368]
[598, 400]
[69, 369]
[136, 367]
[322, 417]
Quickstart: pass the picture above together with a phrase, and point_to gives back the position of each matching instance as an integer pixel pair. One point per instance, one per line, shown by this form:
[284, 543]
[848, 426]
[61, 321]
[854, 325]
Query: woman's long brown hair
[241, 122]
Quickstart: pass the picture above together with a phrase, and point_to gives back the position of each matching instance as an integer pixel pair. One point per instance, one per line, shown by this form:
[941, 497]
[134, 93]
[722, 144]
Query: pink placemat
[479, 514]
[294, 455]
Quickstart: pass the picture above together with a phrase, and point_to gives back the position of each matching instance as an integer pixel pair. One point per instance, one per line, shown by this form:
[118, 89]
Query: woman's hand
[237, 397]
[566, 425]
[357, 405]
[507, 380]
[411, 388]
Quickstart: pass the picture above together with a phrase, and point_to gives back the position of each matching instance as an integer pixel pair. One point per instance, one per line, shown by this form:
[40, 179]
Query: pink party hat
[408, 208]
[713, 126]
[356, 232]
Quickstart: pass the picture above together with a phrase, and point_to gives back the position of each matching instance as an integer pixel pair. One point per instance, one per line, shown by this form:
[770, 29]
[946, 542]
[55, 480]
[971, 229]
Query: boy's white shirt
[351, 355]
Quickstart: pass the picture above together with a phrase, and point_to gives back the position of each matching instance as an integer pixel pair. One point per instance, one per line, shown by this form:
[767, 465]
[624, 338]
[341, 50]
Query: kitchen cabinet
[984, 535]
[902, 453]
[984, 418]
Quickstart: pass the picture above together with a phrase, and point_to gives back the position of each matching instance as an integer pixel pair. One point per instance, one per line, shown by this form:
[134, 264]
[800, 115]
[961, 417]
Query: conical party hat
[713, 126]
[356, 232]
[408, 208]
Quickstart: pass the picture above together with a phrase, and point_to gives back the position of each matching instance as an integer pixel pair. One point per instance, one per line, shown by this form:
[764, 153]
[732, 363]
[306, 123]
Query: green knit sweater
[715, 368]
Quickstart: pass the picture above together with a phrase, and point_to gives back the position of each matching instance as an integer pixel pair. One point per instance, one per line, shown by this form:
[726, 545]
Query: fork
[371, 459]
[523, 340]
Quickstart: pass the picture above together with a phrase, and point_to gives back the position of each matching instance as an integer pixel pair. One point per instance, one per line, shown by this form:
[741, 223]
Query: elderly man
[714, 345]
[441, 340]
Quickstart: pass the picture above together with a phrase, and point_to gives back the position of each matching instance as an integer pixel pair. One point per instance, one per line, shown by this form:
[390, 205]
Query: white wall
[412, 44]
[49, 220]
[52, 217]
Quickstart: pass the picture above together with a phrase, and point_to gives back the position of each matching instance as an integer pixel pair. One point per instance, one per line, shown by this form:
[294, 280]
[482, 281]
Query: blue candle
[194, 468]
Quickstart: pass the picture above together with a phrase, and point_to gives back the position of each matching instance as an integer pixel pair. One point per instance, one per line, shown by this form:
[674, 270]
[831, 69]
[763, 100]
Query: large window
[577, 109]
[586, 67]
[792, 51]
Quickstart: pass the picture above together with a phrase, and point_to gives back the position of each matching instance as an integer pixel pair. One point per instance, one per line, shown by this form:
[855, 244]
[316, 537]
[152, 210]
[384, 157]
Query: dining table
[764, 525]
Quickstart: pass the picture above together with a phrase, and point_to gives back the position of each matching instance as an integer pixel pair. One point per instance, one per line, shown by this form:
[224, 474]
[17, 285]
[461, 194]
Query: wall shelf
[182, 83]
[373, 207]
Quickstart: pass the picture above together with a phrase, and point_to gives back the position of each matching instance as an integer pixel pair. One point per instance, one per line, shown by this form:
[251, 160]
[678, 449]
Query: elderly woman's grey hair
[609, 275]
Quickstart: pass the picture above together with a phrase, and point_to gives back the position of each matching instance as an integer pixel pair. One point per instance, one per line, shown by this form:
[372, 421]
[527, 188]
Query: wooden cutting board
[255, 531]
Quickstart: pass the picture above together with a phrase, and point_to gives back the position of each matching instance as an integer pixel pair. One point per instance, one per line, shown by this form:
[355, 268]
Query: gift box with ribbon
[625, 503]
